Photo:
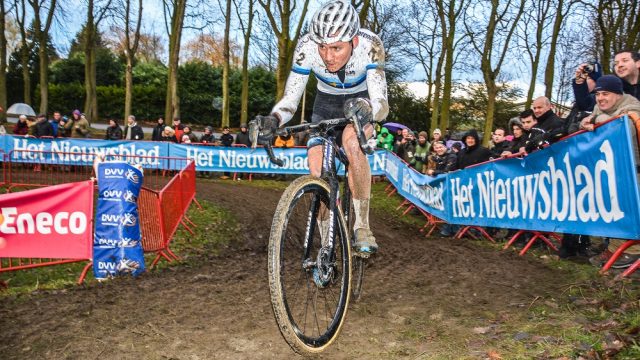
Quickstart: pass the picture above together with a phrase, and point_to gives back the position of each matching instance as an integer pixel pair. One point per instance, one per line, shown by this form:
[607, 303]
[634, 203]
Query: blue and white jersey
[363, 71]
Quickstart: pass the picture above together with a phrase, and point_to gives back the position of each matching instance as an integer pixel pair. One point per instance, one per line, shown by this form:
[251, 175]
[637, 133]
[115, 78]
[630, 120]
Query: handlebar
[321, 126]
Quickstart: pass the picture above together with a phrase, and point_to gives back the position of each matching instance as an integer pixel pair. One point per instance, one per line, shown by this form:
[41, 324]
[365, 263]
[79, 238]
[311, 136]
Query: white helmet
[335, 21]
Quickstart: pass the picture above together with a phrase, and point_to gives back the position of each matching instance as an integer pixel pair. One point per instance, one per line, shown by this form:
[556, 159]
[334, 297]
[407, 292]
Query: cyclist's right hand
[262, 129]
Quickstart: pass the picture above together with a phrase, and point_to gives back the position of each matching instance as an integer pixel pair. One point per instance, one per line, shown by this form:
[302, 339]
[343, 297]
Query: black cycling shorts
[327, 106]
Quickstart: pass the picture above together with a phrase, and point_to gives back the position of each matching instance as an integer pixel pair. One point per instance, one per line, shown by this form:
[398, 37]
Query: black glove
[359, 107]
[265, 126]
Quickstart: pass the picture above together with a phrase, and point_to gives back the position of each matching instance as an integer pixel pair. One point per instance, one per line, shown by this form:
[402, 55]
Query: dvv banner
[117, 247]
[52, 222]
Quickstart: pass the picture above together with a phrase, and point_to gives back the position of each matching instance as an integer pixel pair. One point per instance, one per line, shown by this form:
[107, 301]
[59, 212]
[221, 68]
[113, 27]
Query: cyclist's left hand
[359, 107]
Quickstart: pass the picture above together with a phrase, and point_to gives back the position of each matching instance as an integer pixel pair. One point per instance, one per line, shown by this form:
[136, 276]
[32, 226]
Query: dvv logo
[112, 194]
[112, 219]
[113, 172]
[132, 176]
[129, 219]
[129, 197]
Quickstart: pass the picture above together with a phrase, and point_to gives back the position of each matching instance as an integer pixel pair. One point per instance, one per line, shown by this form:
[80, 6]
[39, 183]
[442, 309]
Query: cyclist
[349, 64]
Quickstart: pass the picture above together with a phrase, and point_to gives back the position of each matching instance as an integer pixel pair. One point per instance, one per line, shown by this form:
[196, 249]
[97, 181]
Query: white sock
[361, 210]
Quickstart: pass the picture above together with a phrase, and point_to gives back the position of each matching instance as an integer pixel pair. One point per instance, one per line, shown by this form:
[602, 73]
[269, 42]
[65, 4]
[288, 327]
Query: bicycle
[310, 276]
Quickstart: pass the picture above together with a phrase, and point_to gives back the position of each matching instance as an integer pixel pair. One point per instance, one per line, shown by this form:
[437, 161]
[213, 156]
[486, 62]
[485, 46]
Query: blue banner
[117, 247]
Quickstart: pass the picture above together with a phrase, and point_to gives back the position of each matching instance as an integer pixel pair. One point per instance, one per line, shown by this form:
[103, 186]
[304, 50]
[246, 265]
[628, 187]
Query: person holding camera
[583, 84]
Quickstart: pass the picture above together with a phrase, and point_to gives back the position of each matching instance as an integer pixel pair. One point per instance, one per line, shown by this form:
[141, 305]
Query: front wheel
[309, 303]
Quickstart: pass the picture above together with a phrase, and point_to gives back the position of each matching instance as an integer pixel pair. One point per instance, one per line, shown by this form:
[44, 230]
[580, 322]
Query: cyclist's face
[336, 55]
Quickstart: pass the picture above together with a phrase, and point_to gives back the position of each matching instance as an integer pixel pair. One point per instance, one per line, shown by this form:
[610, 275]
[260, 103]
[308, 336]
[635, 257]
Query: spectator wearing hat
[22, 126]
[517, 130]
[242, 137]
[473, 153]
[81, 128]
[408, 146]
[68, 126]
[156, 134]
[385, 139]
[436, 135]
[421, 155]
[178, 128]
[114, 132]
[169, 135]
[42, 127]
[207, 136]
[133, 131]
[626, 65]
[610, 102]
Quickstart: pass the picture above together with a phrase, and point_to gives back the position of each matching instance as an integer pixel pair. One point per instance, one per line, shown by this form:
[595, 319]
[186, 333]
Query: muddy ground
[423, 297]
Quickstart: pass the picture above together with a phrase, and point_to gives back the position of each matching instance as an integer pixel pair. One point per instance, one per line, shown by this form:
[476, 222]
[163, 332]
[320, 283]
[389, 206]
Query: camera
[589, 68]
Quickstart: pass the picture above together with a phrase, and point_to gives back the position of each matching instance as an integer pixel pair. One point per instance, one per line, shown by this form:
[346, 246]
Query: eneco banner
[52, 222]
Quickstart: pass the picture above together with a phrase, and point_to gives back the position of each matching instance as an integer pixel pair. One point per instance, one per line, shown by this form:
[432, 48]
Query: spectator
[81, 128]
[156, 135]
[208, 137]
[408, 147]
[456, 147]
[583, 85]
[242, 138]
[22, 126]
[114, 132]
[626, 64]
[178, 128]
[62, 127]
[421, 152]
[500, 144]
[68, 126]
[42, 127]
[473, 153]
[436, 136]
[169, 135]
[445, 160]
[186, 139]
[385, 139]
[397, 141]
[133, 131]
[519, 140]
[552, 125]
[55, 122]
[226, 139]
[187, 131]
[610, 102]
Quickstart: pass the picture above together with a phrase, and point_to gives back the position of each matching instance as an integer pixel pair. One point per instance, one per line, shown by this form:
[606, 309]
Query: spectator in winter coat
[445, 160]
[473, 153]
[42, 127]
[169, 135]
[519, 140]
[189, 132]
[500, 144]
[583, 85]
[284, 142]
[421, 152]
[226, 139]
[533, 136]
[385, 139]
[133, 131]
[242, 138]
[55, 122]
[627, 68]
[408, 147]
[81, 128]
[114, 132]
[610, 102]
[208, 137]
[22, 126]
[178, 128]
[156, 135]
[553, 126]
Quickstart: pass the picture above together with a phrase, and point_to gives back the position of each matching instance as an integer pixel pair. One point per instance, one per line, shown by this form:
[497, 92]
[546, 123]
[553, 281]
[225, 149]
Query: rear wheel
[309, 301]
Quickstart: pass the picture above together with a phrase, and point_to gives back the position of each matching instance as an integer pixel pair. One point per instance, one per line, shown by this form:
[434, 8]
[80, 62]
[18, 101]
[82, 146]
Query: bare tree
[618, 24]
[561, 10]
[246, 32]
[130, 43]
[3, 60]
[174, 12]
[25, 49]
[280, 14]
[90, 47]
[492, 41]
[41, 27]
[225, 64]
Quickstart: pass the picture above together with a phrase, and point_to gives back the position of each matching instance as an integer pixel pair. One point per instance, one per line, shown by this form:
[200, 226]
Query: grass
[584, 319]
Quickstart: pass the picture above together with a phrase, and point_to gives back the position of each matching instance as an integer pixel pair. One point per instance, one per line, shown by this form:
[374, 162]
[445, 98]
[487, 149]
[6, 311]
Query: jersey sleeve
[377, 81]
[296, 83]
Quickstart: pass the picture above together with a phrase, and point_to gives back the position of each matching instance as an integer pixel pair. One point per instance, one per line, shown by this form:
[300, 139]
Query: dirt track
[422, 296]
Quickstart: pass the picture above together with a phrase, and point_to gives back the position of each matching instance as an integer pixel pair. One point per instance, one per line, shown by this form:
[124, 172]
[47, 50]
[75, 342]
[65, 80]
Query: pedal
[360, 254]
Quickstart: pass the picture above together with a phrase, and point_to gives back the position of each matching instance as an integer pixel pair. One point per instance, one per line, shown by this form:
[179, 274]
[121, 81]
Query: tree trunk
[435, 116]
[244, 97]
[549, 71]
[26, 76]
[449, 42]
[128, 86]
[41, 34]
[3, 64]
[130, 53]
[91, 96]
[226, 66]
[492, 93]
[172, 106]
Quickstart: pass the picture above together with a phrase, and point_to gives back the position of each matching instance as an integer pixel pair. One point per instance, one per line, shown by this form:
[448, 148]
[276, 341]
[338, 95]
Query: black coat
[226, 139]
[136, 132]
[472, 155]
[633, 90]
[242, 138]
[445, 163]
[498, 149]
[552, 125]
[156, 135]
[42, 128]
[113, 133]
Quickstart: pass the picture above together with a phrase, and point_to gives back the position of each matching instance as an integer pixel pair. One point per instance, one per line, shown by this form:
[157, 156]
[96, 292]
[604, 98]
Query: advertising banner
[52, 222]
[117, 247]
